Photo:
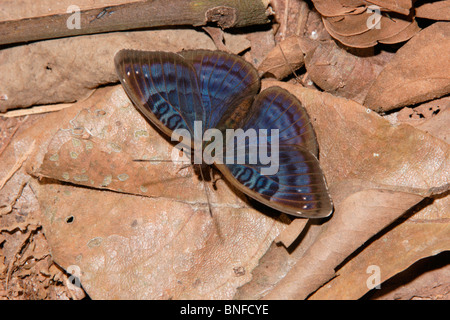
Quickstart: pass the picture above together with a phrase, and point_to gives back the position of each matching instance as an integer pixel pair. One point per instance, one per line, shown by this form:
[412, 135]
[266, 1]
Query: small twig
[35, 110]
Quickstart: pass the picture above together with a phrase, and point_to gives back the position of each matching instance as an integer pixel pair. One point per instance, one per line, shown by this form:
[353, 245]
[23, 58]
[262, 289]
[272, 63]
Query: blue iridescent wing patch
[163, 86]
[226, 81]
[298, 186]
[276, 108]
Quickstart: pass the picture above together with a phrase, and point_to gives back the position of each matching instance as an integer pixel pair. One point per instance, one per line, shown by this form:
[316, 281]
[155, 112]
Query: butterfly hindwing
[297, 187]
[164, 86]
[296, 184]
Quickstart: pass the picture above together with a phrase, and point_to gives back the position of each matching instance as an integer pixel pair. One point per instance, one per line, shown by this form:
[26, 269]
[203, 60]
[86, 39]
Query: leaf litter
[89, 189]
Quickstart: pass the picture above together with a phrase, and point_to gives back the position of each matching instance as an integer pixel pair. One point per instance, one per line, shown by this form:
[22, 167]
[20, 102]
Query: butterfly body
[263, 144]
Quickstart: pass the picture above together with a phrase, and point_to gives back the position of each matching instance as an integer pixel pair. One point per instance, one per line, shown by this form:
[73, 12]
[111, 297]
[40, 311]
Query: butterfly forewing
[276, 108]
[163, 86]
[226, 82]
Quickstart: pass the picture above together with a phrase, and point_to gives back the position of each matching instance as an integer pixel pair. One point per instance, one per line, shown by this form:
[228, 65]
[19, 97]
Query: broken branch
[146, 14]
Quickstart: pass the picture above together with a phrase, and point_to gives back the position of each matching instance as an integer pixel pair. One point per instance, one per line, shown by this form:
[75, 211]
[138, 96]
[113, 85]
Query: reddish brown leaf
[285, 58]
[339, 72]
[374, 210]
[40, 73]
[436, 10]
[370, 190]
[424, 234]
[418, 72]
[390, 29]
[168, 243]
[329, 8]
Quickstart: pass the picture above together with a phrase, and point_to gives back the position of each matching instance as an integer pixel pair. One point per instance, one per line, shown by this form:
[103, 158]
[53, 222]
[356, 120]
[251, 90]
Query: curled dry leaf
[357, 24]
[418, 72]
[66, 70]
[290, 234]
[338, 8]
[167, 243]
[285, 58]
[393, 31]
[376, 172]
[330, 67]
[399, 6]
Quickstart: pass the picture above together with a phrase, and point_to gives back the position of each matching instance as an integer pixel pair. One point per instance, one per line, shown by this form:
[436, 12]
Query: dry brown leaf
[436, 10]
[403, 35]
[374, 210]
[128, 247]
[427, 279]
[67, 70]
[438, 126]
[261, 42]
[288, 55]
[329, 8]
[396, 166]
[277, 262]
[418, 72]
[285, 58]
[330, 67]
[291, 17]
[399, 6]
[432, 117]
[228, 42]
[390, 29]
[341, 73]
[290, 234]
[115, 137]
[167, 243]
[424, 234]
[355, 24]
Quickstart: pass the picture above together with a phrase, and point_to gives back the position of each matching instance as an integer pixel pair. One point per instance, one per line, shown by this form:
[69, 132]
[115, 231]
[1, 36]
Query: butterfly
[181, 92]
